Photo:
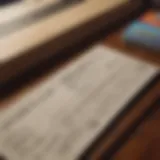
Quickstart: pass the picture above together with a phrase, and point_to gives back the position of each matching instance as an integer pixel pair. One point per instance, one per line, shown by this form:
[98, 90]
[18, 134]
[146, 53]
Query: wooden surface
[144, 142]
[55, 33]
[115, 40]
[105, 148]
[51, 27]
[113, 140]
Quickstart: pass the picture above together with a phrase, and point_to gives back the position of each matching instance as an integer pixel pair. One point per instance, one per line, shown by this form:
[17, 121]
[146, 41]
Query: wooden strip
[143, 144]
[33, 17]
[28, 59]
[53, 26]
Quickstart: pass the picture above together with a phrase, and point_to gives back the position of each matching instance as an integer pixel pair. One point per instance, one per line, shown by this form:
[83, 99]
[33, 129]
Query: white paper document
[59, 118]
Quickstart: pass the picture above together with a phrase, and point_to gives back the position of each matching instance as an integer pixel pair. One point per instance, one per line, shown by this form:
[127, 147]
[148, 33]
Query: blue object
[143, 34]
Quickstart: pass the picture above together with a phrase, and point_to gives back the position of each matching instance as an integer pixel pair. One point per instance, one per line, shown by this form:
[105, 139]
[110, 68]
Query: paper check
[59, 118]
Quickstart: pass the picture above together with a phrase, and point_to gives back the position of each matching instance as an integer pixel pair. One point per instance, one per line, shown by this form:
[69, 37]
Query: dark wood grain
[32, 57]
[144, 143]
[115, 140]
[65, 47]
[108, 144]
[115, 40]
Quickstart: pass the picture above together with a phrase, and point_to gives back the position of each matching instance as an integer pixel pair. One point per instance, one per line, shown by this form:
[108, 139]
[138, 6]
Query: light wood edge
[20, 8]
[34, 56]
[52, 27]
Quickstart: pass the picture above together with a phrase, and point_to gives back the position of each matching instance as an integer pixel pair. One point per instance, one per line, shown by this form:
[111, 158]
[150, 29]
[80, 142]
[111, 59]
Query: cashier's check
[60, 117]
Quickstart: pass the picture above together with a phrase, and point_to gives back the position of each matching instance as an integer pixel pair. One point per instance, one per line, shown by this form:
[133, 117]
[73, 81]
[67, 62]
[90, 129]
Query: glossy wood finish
[144, 142]
[113, 138]
[41, 41]
[115, 40]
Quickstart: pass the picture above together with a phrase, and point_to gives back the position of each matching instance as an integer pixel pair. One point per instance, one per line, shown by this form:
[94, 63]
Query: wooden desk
[115, 41]
[118, 133]
[55, 32]
[114, 137]
[143, 143]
